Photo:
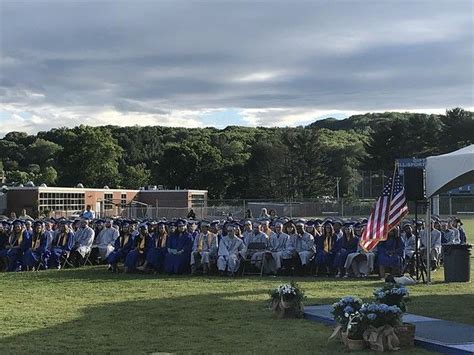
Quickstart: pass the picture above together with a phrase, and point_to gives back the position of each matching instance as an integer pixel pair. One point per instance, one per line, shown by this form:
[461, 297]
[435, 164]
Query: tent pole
[428, 239]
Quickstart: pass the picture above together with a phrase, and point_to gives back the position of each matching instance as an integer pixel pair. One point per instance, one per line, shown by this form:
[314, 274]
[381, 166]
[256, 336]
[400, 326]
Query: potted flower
[286, 300]
[380, 320]
[355, 332]
[341, 311]
[397, 295]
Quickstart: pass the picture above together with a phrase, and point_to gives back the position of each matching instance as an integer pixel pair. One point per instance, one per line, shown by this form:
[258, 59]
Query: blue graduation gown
[342, 249]
[156, 254]
[391, 253]
[178, 263]
[61, 245]
[32, 257]
[123, 244]
[135, 256]
[324, 258]
[15, 252]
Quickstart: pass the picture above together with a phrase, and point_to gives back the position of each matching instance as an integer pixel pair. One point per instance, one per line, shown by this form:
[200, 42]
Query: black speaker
[414, 185]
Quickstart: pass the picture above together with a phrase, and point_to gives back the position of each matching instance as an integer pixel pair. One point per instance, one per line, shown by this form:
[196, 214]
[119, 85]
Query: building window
[108, 203]
[197, 200]
[58, 201]
[123, 200]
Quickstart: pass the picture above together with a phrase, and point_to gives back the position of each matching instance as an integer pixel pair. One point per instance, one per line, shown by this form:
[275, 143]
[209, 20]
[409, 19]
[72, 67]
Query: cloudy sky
[216, 63]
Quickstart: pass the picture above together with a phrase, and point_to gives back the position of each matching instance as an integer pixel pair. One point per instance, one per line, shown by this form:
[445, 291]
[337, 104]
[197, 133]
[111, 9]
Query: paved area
[431, 333]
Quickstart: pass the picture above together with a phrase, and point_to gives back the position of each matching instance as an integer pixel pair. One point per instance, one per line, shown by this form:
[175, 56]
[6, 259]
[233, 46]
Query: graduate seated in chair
[257, 243]
[62, 245]
[436, 246]
[325, 247]
[155, 257]
[344, 246]
[141, 244]
[231, 250]
[391, 254]
[360, 262]
[277, 250]
[39, 252]
[18, 242]
[304, 246]
[4, 242]
[180, 245]
[83, 239]
[123, 244]
[204, 250]
[104, 243]
[290, 258]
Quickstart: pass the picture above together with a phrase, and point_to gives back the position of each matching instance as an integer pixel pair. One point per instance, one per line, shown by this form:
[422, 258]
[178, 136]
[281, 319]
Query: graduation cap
[181, 222]
[100, 221]
[310, 223]
[215, 223]
[318, 222]
[38, 222]
[349, 225]
[18, 222]
[338, 221]
[205, 223]
[161, 223]
[301, 222]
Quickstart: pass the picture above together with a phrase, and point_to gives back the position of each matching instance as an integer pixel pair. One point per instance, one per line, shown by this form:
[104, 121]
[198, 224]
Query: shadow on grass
[198, 323]
[206, 322]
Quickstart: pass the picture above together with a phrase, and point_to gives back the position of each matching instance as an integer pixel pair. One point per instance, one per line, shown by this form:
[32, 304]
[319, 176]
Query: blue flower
[383, 308]
[348, 309]
[371, 316]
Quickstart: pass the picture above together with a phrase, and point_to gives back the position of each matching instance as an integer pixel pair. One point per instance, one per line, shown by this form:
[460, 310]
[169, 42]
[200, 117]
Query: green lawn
[91, 310]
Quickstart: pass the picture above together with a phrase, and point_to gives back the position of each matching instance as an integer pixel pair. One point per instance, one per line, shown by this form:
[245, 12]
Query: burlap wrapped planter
[406, 334]
[291, 308]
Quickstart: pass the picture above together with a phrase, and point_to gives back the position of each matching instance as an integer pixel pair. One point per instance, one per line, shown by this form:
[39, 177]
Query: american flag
[389, 210]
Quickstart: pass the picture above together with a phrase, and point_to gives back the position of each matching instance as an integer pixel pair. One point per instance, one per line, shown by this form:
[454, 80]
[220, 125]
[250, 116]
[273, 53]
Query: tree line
[235, 162]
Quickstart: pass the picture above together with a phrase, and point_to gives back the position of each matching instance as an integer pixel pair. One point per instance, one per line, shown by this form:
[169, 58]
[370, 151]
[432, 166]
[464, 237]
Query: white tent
[448, 171]
[443, 173]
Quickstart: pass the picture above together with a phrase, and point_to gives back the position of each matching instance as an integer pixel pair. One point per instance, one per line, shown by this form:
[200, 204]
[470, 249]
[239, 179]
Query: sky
[220, 63]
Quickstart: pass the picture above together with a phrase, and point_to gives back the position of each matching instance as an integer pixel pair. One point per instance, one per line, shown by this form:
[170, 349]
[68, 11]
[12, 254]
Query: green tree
[47, 175]
[42, 151]
[136, 176]
[91, 156]
[457, 130]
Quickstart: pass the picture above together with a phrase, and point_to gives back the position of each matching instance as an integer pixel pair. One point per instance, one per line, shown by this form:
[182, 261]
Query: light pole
[337, 186]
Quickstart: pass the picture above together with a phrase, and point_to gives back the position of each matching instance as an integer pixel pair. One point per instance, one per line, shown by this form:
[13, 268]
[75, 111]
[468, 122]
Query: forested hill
[235, 162]
[362, 123]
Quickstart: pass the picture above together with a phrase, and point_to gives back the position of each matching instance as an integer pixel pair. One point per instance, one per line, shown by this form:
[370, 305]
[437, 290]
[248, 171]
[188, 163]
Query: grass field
[91, 310]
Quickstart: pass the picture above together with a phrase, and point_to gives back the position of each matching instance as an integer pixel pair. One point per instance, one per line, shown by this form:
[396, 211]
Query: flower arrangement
[381, 314]
[377, 324]
[356, 326]
[287, 292]
[392, 295]
[286, 300]
[344, 308]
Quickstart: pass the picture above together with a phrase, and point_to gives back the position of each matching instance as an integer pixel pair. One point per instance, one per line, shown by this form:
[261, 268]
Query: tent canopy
[448, 171]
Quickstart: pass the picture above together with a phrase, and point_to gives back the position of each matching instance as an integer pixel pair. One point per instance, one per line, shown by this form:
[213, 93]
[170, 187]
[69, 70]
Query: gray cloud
[74, 60]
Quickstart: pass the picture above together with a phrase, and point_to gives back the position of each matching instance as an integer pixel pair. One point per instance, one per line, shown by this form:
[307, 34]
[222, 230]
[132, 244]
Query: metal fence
[301, 208]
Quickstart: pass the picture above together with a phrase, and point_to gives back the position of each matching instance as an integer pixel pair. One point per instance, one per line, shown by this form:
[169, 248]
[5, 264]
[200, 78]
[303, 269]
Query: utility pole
[337, 186]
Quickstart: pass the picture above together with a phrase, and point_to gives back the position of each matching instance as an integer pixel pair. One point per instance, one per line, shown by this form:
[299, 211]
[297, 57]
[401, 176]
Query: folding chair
[87, 260]
[246, 263]
[65, 260]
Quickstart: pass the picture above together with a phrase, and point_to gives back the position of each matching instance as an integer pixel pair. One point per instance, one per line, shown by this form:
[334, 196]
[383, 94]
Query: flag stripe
[389, 210]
